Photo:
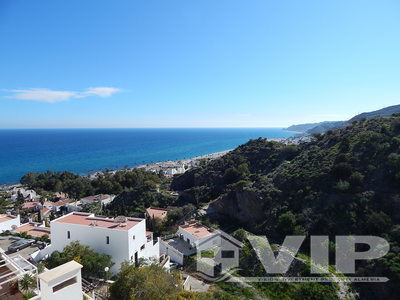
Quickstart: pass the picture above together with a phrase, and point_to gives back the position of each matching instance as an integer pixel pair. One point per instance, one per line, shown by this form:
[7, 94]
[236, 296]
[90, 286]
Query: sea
[84, 151]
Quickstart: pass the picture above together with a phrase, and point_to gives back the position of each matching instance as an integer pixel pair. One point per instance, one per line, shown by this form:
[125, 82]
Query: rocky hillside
[321, 127]
[346, 181]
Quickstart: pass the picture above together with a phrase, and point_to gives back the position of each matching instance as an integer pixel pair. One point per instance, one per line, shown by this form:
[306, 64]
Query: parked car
[19, 245]
[173, 265]
[41, 245]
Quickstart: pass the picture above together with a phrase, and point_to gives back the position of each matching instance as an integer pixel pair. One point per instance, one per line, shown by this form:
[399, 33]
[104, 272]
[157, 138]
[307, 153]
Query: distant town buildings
[103, 199]
[171, 168]
[28, 195]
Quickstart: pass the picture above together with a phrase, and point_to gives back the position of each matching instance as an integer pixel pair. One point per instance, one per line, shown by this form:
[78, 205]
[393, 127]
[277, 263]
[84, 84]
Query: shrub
[342, 186]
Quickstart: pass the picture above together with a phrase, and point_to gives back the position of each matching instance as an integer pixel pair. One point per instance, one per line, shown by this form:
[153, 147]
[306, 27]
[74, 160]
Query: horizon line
[77, 128]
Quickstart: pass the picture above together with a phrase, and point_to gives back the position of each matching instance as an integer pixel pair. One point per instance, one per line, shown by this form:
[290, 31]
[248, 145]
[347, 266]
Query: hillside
[321, 127]
[344, 182]
[311, 128]
[387, 111]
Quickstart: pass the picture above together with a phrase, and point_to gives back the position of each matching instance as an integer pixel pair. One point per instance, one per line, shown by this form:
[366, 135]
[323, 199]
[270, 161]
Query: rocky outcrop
[244, 206]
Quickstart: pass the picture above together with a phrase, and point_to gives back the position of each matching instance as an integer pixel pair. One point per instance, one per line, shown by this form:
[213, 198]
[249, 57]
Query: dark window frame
[227, 254]
[64, 284]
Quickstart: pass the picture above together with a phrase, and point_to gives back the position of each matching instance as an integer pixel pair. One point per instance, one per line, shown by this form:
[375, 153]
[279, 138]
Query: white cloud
[101, 91]
[51, 96]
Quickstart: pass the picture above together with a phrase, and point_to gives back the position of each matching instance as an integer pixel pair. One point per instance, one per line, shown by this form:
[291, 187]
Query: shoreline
[169, 165]
[164, 164]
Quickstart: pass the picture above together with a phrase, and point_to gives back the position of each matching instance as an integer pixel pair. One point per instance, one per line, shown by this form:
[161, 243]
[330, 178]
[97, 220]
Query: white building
[9, 222]
[29, 195]
[63, 283]
[103, 199]
[195, 234]
[193, 238]
[124, 239]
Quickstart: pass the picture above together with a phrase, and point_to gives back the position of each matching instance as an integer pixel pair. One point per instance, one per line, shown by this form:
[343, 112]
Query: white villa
[29, 195]
[124, 239]
[193, 238]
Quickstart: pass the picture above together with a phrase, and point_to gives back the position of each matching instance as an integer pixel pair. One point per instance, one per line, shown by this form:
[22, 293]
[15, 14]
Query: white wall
[194, 241]
[95, 238]
[70, 292]
[7, 225]
[122, 246]
[175, 255]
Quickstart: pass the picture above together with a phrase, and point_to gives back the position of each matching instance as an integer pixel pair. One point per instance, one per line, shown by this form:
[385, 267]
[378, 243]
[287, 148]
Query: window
[68, 235]
[227, 254]
[141, 248]
[108, 240]
[64, 284]
[133, 237]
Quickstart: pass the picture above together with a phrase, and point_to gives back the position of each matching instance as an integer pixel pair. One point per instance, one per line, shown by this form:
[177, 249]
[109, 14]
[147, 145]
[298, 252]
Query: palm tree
[26, 283]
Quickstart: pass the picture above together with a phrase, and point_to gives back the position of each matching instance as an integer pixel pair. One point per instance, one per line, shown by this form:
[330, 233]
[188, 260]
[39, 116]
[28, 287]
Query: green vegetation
[136, 189]
[147, 282]
[344, 182]
[93, 263]
[4, 203]
[134, 201]
[77, 186]
[27, 283]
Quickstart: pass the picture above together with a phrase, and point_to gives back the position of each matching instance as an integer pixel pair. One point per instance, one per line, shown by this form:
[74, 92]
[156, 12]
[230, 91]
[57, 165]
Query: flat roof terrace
[33, 230]
[101, 222]
[5, 218]
[198, 230]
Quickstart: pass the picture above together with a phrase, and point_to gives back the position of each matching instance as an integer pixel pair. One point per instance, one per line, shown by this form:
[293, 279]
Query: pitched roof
[157, 213]
[29, 205]
[58, 203]
[44, 210]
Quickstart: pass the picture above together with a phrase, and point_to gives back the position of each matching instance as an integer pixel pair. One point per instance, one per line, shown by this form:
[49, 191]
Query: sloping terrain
[344, 182]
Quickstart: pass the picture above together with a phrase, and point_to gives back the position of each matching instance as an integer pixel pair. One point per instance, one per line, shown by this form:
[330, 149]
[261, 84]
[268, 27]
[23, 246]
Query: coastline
[173, 167]
[170, 167]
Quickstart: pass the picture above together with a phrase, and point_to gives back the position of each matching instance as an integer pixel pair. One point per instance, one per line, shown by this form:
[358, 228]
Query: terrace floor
[182, 246]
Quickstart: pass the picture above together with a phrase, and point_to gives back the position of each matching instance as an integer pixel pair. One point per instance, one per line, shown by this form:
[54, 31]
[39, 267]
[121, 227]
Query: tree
[314, 291]
[147, 282]
[94, 208]
[240, 234]
[93, 263]
[286, 223]
[378, 223]
[27, 283]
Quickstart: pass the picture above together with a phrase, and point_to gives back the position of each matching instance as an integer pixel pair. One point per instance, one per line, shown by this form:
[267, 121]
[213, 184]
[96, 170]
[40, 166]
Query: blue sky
[198, 63]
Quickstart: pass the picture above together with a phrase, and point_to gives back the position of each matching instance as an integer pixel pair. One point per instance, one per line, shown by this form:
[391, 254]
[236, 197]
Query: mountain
[321, 127]
[310, 128]
[387, 111]
[344, 182]
[324, 126]
[303, 127]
